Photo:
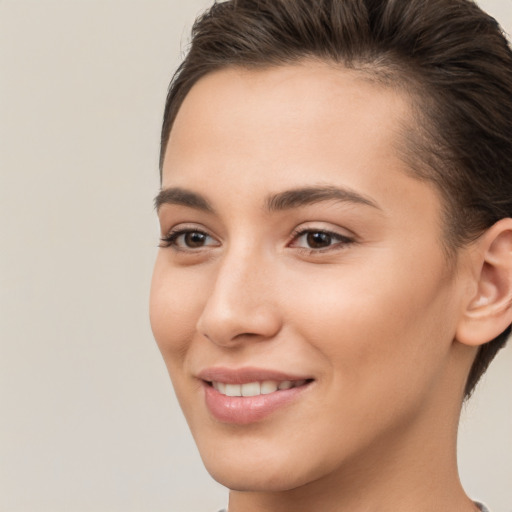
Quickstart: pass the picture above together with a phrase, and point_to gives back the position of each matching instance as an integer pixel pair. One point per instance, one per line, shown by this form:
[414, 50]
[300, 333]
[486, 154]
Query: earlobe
[489, 311]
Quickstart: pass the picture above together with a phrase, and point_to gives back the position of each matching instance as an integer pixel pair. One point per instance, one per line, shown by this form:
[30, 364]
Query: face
[302, 267]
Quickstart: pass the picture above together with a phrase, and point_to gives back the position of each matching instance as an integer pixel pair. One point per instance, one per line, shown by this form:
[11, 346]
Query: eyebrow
[182, 197]
[310, 195]
[289, 199]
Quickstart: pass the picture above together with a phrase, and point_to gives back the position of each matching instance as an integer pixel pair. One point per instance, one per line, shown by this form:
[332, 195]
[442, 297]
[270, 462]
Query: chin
[262, 472]
[251, 480]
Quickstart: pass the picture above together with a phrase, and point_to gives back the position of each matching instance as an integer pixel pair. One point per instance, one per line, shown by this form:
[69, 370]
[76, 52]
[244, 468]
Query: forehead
[273, 129]
[287, 106]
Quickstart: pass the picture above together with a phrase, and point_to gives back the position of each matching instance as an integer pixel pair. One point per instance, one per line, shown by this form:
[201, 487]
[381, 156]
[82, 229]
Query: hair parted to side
[448, 55]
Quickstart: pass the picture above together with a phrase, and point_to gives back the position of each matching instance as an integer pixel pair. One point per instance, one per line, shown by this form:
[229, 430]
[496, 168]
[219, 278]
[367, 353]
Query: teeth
[255, 388]
[220, 387]
[268, 386]
[233, 390]
[251, 389]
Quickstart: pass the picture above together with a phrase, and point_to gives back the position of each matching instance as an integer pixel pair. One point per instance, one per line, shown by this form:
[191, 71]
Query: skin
[372, 317]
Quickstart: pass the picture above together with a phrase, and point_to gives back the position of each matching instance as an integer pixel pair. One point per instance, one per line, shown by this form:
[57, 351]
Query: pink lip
[246, 375]
[245, 410]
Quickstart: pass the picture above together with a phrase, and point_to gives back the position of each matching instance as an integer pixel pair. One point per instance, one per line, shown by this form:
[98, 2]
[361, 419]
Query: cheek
[373, 328]
[174, 309]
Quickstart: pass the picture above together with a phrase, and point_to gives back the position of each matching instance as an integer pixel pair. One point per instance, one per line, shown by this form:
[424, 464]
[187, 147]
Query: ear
[489, 309]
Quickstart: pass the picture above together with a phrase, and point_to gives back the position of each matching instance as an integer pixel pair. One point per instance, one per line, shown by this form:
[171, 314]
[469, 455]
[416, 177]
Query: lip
[246, 410]
[246, 374]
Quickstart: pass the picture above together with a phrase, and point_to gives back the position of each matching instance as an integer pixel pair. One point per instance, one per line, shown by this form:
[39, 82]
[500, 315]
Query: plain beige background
[88, 421]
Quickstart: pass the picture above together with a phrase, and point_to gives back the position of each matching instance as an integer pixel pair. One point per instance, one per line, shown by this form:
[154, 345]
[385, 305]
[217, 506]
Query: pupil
[194, 239]
[318, 240]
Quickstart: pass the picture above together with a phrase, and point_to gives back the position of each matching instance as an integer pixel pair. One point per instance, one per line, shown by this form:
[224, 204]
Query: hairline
[387, 72]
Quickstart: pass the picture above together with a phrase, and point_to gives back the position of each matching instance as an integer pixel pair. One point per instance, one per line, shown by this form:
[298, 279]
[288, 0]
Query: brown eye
[194, 239]
[318, 240]
[188, 239]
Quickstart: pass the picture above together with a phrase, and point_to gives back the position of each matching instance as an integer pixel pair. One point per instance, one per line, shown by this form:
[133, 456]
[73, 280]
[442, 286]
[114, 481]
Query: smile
[255, 388]
[249, 395]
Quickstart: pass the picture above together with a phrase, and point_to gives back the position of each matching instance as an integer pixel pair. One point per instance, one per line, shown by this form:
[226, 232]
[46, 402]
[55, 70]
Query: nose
[242, 304]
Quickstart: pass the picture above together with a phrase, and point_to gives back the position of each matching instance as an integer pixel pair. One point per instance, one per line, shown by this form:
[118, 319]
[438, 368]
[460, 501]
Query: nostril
[230, 319]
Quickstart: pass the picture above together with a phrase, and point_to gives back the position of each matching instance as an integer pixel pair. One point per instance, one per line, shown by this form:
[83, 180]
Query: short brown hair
[451, 57]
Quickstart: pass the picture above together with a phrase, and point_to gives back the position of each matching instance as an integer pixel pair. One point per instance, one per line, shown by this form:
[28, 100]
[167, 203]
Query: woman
[335, 271]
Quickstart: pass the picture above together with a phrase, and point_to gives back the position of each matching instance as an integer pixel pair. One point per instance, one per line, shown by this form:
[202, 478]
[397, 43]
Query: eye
[319, 239]
[188, 239]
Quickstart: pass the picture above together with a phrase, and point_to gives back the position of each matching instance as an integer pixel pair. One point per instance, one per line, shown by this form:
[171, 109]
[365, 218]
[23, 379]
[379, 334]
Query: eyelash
[170, 240]
[341, 241]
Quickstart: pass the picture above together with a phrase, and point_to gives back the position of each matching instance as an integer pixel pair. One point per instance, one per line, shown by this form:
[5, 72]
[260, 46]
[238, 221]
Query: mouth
[250, 395]
[256, 388]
